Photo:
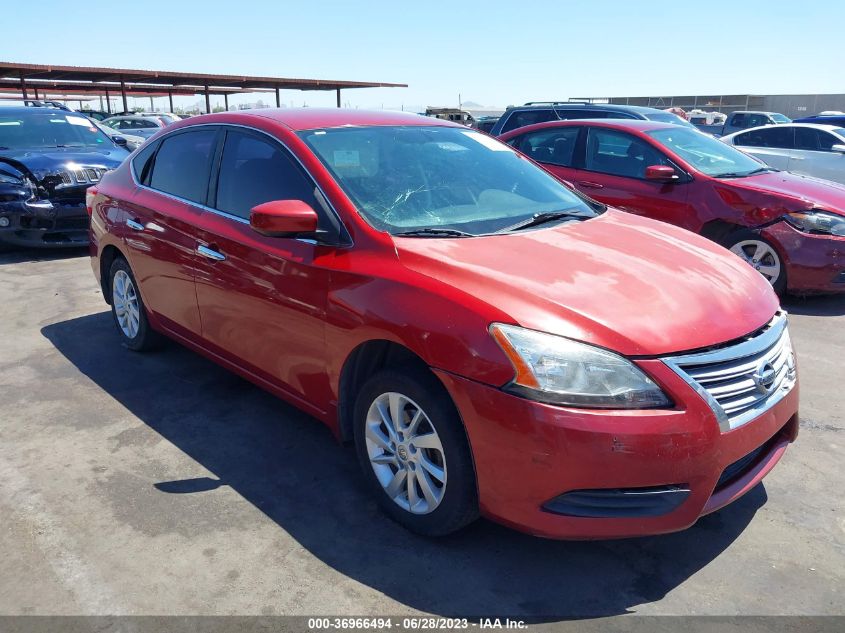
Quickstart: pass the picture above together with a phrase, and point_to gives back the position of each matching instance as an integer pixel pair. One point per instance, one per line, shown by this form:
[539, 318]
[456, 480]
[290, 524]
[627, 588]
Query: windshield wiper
[434, 232]
[541, 218]
[736, 174]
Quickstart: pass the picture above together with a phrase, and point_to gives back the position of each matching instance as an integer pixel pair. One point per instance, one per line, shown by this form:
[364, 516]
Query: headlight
[817, 222]
[554, 369]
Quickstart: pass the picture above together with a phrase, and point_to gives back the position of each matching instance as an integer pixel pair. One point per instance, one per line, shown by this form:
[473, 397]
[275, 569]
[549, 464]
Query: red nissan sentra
[493, 342]
[790, 228]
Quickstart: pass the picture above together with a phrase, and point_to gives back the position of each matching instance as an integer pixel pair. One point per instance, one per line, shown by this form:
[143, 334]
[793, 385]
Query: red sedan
[491, 341]
[790, 228]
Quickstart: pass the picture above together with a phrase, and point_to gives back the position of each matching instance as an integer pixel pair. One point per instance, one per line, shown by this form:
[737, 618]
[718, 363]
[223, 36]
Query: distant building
[793, 106]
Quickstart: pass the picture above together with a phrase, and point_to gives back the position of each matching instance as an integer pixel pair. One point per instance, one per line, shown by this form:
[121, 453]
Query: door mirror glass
[660, 173]
[120, 140]
[839, 147]
[283, 218]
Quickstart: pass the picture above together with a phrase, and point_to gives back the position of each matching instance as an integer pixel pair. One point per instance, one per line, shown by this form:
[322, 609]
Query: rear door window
[554, 147]
[582, 113]
[521, 118]
[756, 120]
[183, 163]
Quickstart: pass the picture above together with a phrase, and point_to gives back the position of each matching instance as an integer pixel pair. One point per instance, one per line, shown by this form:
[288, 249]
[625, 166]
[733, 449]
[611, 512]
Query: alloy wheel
[760, 256]
[406, 453]
[126, 308]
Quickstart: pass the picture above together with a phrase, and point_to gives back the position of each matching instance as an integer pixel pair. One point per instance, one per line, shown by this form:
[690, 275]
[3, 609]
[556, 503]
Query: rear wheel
[761, 255]
[128, 310]
[413, 449]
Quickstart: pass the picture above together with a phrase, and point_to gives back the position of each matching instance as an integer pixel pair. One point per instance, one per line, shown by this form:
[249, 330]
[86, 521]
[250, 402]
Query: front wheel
[414, 452]
[761, 255]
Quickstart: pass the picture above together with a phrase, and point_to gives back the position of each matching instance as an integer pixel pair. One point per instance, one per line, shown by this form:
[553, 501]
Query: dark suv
[542, 111]
[48, 158]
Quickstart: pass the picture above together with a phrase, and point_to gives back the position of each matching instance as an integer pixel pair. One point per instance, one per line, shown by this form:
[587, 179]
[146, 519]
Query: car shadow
[816, 305]
[288, 465]
[18, 255]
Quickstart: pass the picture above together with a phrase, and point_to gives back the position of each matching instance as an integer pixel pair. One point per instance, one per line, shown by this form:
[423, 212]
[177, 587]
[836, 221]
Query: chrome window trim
[346, 238]
[775, 330]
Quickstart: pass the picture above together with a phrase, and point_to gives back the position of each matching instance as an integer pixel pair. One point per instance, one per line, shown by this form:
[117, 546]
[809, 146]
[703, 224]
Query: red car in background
[790, 228]
[491, 341]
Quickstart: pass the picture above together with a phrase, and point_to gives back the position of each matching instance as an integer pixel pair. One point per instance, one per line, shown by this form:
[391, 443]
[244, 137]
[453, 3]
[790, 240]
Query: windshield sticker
[346, 158]
[487, 141]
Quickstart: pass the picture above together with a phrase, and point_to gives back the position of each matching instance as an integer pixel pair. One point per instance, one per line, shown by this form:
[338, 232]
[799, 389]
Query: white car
[808, 149]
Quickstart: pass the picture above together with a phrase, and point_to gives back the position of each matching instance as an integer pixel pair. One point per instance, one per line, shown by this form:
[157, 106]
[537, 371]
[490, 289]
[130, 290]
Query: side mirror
[119, 140]
[660, 173]
[838, 148]
[283, 218]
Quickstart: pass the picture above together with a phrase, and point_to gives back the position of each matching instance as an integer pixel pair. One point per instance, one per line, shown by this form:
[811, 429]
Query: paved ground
[161, 484]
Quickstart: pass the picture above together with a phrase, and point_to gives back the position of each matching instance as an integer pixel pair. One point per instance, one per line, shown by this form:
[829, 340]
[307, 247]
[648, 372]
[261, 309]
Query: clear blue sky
[493, 53]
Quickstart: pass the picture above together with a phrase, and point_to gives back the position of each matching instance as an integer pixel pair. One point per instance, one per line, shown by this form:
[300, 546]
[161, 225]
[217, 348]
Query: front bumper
[814, 263]
[527, 454]
[44, 224]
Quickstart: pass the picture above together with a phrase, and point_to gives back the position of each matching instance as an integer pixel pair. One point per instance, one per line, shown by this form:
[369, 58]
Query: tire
[761, 254]
[441, 497]
[128, 311]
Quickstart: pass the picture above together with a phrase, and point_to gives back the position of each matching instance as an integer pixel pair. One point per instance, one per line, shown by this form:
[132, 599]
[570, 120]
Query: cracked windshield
[441, 181]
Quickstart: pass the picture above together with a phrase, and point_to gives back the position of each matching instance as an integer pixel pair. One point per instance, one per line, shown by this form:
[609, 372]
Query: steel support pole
[123, 94]
[108, 102]
[170, 99]
[226, 101]
[338, 97]
[23, 86]
[207, 102]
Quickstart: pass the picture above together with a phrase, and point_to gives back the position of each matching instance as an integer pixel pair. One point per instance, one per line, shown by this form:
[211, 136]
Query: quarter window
[554, 147]
[620, 154]
[182, 164]
[141, 163]
[780, 137]
[253, 171]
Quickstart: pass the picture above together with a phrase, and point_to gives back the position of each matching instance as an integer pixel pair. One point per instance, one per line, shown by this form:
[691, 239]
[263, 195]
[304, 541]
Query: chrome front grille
[743, 380]
[82, 176]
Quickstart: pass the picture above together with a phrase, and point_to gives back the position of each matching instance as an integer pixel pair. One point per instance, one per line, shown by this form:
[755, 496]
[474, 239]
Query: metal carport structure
[107, 81]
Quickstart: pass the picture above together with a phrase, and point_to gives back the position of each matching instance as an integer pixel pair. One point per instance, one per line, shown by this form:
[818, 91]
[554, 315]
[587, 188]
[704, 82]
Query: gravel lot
[162, 484]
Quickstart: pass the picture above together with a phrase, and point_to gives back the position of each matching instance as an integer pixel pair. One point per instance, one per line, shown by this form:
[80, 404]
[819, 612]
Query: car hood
[634, 285]
[45, 170]
[41, 162]
[797, 193]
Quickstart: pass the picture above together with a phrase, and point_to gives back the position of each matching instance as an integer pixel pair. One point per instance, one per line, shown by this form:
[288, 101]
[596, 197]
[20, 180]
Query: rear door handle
[134, 224]
[210, 253]
[590, 185]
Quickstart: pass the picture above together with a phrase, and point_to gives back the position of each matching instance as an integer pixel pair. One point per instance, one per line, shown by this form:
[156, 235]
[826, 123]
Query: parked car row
[493, 341]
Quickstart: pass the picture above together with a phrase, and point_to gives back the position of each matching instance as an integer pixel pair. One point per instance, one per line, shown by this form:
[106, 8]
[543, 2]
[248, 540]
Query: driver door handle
[590, 185]
[135, 225]
[210, 253]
